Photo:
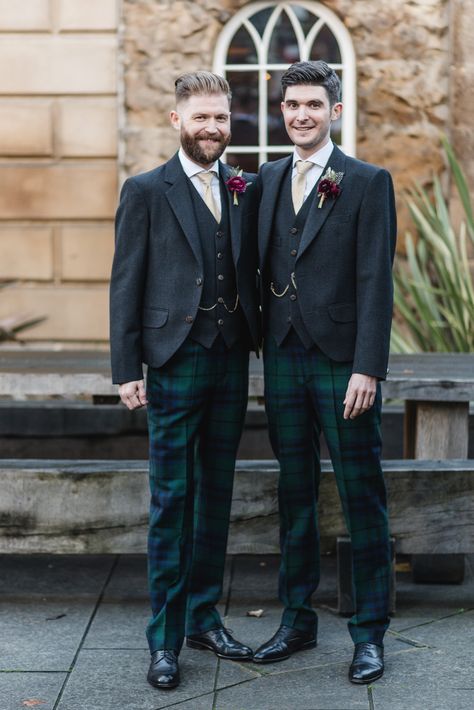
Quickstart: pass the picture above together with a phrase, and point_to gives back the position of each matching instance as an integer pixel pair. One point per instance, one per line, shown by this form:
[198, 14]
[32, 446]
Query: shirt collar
[320, 157]
[191, 169]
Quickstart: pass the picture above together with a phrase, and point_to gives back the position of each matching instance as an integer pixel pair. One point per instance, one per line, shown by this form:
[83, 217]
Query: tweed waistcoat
[284, 311]
[219, 283]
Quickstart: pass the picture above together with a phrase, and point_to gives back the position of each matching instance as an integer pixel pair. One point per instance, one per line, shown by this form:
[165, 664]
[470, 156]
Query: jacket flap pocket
[154, 317]
[342, 312]
[339, 217]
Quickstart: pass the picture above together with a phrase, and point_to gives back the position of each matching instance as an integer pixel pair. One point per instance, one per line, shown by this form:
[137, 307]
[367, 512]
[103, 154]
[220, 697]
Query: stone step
[64, 506]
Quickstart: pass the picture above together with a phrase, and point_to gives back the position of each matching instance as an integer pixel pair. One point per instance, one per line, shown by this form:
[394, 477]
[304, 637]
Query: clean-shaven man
[327, 230]
[184, 301]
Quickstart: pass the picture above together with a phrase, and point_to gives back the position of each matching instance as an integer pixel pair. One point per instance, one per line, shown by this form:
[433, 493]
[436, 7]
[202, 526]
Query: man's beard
[198, 153]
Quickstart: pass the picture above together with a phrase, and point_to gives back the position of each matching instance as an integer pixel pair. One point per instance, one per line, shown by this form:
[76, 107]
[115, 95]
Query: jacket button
[293, 252]
[293, 230]
[199, 281]
[189, 319]
[293, 297]
[220, 322]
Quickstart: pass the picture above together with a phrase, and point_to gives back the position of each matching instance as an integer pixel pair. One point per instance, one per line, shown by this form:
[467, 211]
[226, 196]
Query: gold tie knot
[206, 177]
[302, 166]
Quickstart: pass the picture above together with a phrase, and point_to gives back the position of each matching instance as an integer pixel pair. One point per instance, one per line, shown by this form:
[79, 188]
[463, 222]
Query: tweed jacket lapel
[318, 215]
[235, 212]
[180, 202]
[272, 179]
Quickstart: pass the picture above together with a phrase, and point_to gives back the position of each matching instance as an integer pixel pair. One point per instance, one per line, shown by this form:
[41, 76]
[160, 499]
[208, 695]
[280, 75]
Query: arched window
[253, 51]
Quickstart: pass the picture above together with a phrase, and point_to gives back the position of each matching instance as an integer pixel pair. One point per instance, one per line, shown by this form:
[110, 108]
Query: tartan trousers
[196, 410]
[304, 393]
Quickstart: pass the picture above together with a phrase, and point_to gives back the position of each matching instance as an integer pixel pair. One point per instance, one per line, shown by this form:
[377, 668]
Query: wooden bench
[102, 507]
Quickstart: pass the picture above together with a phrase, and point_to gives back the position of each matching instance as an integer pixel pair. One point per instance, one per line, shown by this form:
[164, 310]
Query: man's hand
[133, 394]
[360, 395]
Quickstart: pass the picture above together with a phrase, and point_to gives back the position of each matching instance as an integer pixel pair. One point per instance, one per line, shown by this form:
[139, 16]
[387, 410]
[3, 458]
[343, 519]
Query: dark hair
[313, 73]
[200, 82]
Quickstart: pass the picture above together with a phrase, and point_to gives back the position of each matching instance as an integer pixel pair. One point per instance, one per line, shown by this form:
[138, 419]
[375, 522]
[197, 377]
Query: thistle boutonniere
[329, 186]
[236, 183]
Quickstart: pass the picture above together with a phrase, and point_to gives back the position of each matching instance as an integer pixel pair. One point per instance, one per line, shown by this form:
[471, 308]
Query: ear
[282, 106]
[336, 111]
[175, 120]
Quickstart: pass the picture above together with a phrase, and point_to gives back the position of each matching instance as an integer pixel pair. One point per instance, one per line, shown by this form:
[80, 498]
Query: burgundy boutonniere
[237, 184]
[329, 186]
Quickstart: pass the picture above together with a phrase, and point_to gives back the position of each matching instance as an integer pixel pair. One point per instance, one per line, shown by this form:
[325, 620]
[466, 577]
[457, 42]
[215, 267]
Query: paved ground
[72, 638]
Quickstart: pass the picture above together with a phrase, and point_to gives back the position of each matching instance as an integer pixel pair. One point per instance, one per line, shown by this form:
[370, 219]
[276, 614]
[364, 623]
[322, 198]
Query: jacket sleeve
[127, 284]
[376, 238]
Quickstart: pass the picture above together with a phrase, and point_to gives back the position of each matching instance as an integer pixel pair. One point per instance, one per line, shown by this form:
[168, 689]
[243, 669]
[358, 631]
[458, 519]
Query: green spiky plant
[434, 289]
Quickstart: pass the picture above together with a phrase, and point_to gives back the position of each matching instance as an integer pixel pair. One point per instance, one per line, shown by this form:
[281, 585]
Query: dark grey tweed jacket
[157, 272]
[343, 266]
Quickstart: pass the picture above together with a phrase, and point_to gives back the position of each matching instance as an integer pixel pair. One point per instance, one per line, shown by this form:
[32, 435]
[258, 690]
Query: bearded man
[184, 301]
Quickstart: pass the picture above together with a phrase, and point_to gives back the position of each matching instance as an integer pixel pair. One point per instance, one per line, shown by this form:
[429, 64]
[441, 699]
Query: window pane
[244, 116]
[284, 45]
[242, 49]
[276, 128]
[246, 161]
[260, 19]
[305, 17]
[325, 47]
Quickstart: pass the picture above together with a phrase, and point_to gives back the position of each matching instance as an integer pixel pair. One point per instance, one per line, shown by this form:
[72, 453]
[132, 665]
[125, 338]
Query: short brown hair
[200, 82]
[314, 74]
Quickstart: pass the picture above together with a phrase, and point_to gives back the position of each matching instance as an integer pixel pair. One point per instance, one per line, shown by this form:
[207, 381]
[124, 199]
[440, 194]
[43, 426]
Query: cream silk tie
[299, 183]
[206, 179]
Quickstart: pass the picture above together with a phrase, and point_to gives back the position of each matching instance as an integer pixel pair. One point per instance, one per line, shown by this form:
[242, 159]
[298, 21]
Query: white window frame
[262, 44]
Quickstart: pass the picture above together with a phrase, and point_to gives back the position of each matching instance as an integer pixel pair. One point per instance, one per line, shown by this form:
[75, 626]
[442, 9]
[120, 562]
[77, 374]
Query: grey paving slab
[110, 681]
[53, 576]
[453, 633]
[424, 678]
[129, 580]
[420, 603]
[16, 689]
[322, 688]
[119, 625]
[42, 635]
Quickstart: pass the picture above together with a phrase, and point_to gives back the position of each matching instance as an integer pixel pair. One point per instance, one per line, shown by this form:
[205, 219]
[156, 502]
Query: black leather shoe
[221, 642]
[367, 664]
[285, 642]
[164, 670]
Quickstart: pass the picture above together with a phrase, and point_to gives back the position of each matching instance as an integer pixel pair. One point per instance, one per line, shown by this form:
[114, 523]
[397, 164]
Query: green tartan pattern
[196, 410]
[304, 393]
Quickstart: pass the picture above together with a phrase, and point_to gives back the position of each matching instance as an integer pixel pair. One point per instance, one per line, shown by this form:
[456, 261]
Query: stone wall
[58, 164]
[403, 61]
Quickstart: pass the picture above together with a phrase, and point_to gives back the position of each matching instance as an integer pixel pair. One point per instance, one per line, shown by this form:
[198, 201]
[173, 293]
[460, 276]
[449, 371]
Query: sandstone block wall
[58, 163]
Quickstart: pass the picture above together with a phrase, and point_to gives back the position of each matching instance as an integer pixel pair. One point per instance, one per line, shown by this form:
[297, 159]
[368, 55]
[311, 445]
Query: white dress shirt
[192, 170]
[319, 160]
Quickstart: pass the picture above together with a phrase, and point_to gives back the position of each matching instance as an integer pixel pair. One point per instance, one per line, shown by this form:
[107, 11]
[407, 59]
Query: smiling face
[308, 117]
[204, 124]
